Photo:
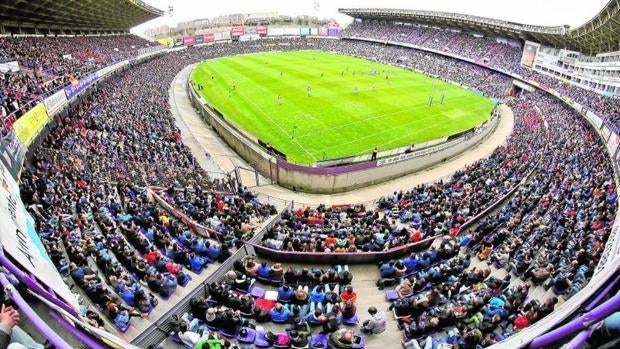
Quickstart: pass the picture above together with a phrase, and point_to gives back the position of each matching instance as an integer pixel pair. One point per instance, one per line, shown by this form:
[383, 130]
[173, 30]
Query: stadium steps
[364, 278]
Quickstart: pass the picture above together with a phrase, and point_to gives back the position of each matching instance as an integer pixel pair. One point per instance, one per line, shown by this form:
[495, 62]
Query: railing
[342, 257]
[160, 329]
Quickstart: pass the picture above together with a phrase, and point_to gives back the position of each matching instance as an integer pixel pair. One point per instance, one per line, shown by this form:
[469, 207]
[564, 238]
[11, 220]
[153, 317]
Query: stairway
[369, 295]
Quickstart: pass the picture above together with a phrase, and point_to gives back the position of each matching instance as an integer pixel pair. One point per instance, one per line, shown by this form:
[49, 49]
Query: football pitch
[314, 105]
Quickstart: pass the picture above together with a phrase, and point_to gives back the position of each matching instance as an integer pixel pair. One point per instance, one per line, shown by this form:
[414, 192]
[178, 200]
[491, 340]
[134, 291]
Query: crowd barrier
[342, 257]
[160, 329]
[192, 225]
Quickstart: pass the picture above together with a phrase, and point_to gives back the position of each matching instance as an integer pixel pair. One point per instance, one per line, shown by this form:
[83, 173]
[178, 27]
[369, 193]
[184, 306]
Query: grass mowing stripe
[334, 122]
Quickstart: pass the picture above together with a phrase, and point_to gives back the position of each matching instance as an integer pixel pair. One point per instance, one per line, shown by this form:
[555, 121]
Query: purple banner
[71, 90]
[327, 170]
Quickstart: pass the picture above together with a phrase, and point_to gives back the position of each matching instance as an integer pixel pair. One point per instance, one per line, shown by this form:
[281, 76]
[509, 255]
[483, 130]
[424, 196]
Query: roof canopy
[600, 34]
[74, 16]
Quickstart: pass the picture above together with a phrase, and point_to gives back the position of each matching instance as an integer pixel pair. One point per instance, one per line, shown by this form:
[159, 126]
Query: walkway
[199, 136]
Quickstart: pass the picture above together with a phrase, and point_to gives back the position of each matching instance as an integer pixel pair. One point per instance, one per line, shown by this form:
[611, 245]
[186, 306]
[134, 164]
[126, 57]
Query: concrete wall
[331, 179]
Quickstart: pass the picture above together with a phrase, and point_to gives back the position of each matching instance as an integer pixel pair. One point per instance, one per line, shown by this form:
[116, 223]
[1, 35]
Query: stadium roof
[73, 16]
[600, 34]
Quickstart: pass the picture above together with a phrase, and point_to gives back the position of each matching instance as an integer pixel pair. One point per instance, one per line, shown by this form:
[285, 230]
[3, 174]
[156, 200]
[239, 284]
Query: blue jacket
[386, 270]
[317, 297]
[213, 252]
[197, 262]
[280, 316]
[410, 263]
[264, 271]
[285, 295]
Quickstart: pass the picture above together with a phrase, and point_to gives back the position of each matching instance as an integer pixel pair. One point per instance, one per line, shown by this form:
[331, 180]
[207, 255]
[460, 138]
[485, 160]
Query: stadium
[405, 179]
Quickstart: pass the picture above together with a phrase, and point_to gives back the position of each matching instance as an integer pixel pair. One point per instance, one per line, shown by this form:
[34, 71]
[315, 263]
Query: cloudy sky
[541, 12]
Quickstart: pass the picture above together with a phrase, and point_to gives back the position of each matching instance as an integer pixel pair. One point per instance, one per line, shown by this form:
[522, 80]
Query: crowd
[484, 50]
[120, 248]
[100, 226]
[303, 300]
[427, 210]
[234, 215]
[49, 63]
[551, 233]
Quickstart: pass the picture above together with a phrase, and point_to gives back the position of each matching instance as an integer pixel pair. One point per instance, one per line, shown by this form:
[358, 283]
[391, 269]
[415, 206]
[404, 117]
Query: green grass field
[334, 121]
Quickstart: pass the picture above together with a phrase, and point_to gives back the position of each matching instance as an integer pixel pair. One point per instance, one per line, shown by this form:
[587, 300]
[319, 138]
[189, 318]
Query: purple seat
[352, 321]
[260, 340]
[249, 337]
[391, 295]
[175, 338]
[358, 341]
[257, 292]
[396, 316]
[124, 328]
[319, 341]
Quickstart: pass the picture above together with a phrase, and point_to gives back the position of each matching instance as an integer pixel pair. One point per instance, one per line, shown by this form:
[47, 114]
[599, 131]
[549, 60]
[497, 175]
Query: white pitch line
[277, 124]
[392, 128]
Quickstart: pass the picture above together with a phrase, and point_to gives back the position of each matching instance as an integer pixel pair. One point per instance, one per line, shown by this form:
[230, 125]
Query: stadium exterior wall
[328, 180]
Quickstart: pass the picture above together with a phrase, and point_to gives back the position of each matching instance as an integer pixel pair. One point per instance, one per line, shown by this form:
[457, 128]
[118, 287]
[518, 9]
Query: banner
[12, 153]
[20, 240]
[199, 39]
[209, 37]
[9, 66]
[261, 30]
[189, 40]
[168, 42]
[28, 126]
[84, 82]
[55, 102]
[237, 31]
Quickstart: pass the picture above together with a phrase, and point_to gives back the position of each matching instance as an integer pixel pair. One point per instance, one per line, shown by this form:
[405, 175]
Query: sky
[539, 12]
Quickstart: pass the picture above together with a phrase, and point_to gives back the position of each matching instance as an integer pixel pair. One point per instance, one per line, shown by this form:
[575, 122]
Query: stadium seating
[487, 51]
[87, 191]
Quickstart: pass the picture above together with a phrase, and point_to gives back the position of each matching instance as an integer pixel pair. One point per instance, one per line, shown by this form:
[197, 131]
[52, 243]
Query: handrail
[342, 257]
[154, 334]
[33, 285]
[83, 337]
[104, 335]
[25, 309]
[595, 315]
